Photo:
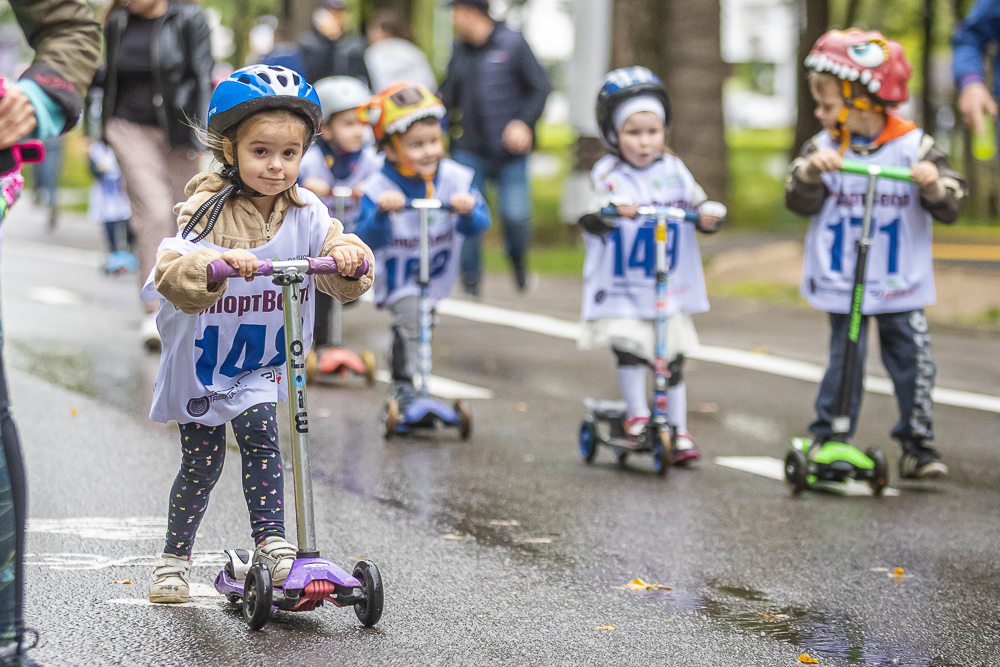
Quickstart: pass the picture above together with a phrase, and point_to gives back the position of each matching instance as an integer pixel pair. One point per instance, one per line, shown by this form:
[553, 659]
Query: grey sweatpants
[405, 351]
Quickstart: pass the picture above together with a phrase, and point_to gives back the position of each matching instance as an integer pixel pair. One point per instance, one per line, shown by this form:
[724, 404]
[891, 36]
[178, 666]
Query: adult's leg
[203, 451]
[263, 482]
[515, 213]
[906, 354]
[13, 515]
[829, 388]
[142, 156]
[470, 262]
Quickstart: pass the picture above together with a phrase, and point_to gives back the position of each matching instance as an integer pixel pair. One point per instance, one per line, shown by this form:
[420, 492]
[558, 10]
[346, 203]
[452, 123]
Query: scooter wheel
[464, 419]
[661, 454]
[369, 611]
[257, 596]
[391, 418]
[796, 472]
[312, 367]
[368, 359]
[588, 441]
[880, 473]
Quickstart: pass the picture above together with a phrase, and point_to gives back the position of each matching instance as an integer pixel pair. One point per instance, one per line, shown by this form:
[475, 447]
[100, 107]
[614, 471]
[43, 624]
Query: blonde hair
[216, 142]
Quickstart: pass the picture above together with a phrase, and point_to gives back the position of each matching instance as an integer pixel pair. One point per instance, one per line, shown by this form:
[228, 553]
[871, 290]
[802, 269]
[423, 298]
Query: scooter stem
[660, 373]
[295, 354]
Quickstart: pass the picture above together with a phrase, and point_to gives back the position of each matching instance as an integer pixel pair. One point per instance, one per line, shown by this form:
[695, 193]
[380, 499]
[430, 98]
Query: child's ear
[227, 150]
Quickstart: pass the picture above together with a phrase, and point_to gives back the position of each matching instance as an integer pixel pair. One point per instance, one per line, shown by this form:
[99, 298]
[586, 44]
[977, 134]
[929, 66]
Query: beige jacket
[182, 279]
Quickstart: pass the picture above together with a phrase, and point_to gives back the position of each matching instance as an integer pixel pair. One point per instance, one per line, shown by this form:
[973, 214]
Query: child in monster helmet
[406, 121]
[619, 301]
[857, 79]
[223, 343]
[343, 156]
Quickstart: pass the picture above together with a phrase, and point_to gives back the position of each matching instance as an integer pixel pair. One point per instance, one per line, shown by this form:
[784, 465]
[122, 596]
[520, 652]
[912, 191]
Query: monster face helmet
[862, 58]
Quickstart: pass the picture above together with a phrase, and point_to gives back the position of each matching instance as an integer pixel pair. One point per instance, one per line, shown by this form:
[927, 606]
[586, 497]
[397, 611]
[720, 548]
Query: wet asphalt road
[507, 549]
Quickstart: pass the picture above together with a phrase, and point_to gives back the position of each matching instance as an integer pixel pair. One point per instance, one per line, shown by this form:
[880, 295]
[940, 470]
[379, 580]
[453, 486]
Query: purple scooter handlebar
[219, 269]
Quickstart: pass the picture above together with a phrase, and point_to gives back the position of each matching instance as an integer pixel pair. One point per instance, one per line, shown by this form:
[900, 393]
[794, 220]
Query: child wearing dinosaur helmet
[858, 79]
[405, 119]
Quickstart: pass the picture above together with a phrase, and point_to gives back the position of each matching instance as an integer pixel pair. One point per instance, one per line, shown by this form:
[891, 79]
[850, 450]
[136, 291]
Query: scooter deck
[292, 596]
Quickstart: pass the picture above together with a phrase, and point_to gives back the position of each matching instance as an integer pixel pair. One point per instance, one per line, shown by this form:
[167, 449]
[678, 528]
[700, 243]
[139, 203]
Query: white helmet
[340, 93]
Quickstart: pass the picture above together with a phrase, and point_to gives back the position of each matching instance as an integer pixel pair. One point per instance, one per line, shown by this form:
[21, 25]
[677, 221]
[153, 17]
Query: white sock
[633, 379]
[677, 407]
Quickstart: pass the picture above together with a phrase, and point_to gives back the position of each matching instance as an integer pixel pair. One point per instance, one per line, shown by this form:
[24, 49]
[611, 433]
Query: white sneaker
[150, 334]
[277, 555]
[170, 580]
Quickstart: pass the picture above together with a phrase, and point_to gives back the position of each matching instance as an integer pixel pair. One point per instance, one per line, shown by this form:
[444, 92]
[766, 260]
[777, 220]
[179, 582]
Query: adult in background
[45, 102]
[284, 52]
[329, 50]
[392, 56]
[157, 84]
[495, 92]
[979, 29]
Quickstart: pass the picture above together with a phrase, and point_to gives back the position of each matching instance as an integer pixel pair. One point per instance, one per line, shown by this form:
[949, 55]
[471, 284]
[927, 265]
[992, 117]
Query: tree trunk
[680, 41]
[817, 18]
[927, 111]
[851, 17]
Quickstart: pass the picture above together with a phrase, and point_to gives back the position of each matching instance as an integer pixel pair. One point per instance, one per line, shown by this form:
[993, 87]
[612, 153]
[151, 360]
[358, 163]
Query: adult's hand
[17, 116]
[973, 102]
[517, 137]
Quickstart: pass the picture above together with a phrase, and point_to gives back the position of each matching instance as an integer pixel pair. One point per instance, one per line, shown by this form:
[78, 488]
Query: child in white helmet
[223, 343]
[633, 114]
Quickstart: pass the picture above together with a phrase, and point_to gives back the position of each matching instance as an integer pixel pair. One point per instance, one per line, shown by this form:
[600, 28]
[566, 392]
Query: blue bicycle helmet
[622, 85]
[258, 88]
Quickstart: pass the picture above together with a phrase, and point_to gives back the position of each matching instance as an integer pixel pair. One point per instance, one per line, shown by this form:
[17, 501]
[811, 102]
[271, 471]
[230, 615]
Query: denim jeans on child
[906, 355]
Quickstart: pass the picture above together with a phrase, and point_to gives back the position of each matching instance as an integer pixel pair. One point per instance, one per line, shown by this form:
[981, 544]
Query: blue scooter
[426, 411]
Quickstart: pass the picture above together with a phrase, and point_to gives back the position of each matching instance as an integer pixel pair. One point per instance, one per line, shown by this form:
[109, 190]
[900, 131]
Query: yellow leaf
[899, 571]
[771, 618]
[74, 412]
[640, 585]
[457, 536]
[605, 627]
[807, 660]
[125, 581]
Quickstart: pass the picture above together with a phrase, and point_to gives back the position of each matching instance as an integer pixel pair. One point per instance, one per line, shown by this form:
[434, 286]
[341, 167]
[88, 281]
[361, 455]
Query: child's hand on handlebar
[348, 259]
[319, 187]
[709, 223]
[823, 161]
[462, 204]
[391, 202]
[243, 261]
[628, 210]
[924, 174]
[357, 194]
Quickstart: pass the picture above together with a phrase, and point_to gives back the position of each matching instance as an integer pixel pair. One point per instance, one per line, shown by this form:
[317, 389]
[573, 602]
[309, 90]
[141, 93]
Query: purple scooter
[312, 580]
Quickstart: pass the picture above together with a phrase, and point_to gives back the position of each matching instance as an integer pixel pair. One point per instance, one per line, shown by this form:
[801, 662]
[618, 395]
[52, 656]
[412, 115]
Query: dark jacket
[181, 52]
[67, 43]
[971, 41]
[334, 57]
[488, 86]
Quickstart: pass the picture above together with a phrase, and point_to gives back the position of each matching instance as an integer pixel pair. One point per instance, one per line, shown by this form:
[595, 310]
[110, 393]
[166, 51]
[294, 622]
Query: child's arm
[344, 248]
[374, 227]
[183, 281]
[942, 189]
[805, 190]
[474, 214]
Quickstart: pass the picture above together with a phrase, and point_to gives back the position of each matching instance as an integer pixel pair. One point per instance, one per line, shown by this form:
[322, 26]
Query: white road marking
[90, 561]
[443, 387]
[55, 253]
[203, 596]
[772, 468]
[103, 528]
[765, 363]
[55, 296]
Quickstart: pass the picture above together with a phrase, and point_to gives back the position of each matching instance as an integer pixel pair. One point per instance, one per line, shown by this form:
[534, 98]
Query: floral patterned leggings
[204, 451]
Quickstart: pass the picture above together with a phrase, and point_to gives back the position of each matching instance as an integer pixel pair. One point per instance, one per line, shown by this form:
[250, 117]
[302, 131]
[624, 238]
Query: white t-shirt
[393, 60]
[220, 362]
[620, 270]
[900, 272]
[314, 165]
[398, 264]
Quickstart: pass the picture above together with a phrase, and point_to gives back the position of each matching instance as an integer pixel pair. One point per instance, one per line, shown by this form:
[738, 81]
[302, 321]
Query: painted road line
[772, 468]
[444, 388]
[203, 596]
[55, 253]
[92, 561]
[765, 363]
[974, 253]
[55, 296]
[103, 528]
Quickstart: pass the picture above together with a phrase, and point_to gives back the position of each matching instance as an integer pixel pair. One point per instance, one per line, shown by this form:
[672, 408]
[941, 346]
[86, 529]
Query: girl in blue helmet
[223, 343]
[619, 302]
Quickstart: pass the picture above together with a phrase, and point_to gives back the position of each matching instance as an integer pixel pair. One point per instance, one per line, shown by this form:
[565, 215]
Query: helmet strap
[850, 102]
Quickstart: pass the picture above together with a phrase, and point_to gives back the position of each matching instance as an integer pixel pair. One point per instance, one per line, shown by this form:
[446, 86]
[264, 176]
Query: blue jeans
[906, 355]
[511, 180]
[47, 173]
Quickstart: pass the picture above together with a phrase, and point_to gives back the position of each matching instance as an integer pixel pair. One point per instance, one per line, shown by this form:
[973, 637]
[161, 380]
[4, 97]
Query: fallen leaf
[357, 558]
[605, 627]
[773, 618]
[458, 536]
[125, 581]
[638, 584]
[74, 412]
[760, 349]
[879, 569]
[668, 619]
[521, 407]
[505, 522]
[533, 540]
[807, 660]
[899, 571]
